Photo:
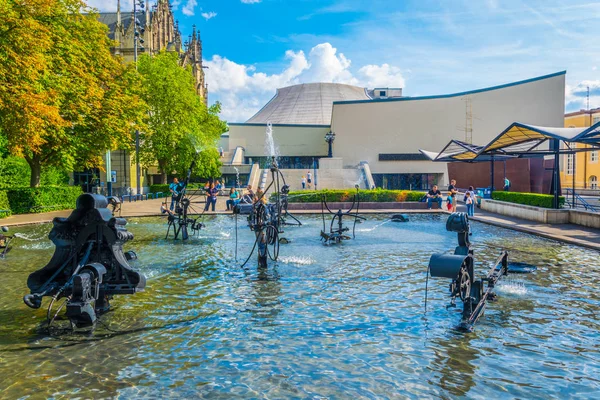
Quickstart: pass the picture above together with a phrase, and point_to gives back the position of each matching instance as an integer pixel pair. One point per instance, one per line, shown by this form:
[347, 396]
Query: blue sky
[425, 46]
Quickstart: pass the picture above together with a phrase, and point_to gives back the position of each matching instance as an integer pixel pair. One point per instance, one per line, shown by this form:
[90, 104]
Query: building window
[570, 159]
[594, 156]
[406, 181]
[382, 93]
[593, 182]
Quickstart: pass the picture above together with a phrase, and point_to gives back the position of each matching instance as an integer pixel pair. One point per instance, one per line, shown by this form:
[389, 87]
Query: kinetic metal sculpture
[5, 241]
[182, 218]
[266, 219]
[460, 268]
[338, 233]
[89, 266]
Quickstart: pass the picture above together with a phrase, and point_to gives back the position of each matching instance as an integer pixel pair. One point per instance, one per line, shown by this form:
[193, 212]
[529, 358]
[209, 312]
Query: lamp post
[329, 138]
[137, 41]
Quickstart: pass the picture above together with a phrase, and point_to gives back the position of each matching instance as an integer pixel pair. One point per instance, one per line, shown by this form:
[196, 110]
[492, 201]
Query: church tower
[193, 57]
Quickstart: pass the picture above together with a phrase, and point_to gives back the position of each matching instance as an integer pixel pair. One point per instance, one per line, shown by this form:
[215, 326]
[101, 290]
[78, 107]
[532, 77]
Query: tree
[64, 99]
[179, 124]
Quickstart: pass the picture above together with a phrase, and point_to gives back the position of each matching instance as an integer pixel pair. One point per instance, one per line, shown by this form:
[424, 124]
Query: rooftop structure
[306, 104]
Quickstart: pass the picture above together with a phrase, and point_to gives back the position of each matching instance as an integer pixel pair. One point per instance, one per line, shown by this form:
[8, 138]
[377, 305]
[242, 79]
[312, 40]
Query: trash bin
[483, 193]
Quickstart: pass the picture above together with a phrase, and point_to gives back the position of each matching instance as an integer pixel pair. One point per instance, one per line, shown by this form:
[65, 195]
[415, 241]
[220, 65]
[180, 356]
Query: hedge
[41, 199]
[159, 188]
[4, 205]
[529, 199]
[377, 195]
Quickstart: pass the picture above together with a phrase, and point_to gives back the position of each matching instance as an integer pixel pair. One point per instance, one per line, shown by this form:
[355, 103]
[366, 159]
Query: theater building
[378, 132]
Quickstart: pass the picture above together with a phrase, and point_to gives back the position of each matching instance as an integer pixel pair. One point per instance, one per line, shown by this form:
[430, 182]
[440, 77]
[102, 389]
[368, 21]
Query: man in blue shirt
[174, 189]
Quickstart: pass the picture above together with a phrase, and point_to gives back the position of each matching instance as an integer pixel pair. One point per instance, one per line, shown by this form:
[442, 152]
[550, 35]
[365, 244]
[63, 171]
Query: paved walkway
[568, 233]
[573, 234]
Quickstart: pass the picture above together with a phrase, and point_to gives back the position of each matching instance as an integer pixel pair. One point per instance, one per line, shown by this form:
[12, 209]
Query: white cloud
[384, 75]
[576, 96]
[188, 9]
[209, 15]
[250, 1]
[243, 90]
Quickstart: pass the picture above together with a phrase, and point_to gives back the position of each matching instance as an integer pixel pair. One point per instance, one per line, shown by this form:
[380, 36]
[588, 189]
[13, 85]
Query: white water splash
[237, 177]
[296, 260]
[225, 234]
[270, 148]
[511, 286]
[373, 228]
[30, 238]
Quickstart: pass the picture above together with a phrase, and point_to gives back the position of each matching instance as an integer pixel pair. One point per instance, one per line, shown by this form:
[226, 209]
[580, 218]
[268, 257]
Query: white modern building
[378, 133]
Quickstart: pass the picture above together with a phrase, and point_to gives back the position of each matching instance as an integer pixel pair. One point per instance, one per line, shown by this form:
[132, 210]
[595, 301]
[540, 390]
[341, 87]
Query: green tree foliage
[15, 172]
[179, 123]
[64, 99]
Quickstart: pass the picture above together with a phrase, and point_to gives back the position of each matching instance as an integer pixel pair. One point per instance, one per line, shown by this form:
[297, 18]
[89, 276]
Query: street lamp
[137, 41]
[329, 138]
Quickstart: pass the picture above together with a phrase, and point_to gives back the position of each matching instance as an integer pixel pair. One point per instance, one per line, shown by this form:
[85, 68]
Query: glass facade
[285, 162]
[406, 181]
[229, 180]
[87, 179]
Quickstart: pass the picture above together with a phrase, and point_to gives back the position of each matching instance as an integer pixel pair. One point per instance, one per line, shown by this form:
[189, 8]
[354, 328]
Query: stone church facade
[159, 31]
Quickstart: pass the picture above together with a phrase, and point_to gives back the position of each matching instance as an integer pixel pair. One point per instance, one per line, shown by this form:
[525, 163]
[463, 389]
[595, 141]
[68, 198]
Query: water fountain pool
[338, 321]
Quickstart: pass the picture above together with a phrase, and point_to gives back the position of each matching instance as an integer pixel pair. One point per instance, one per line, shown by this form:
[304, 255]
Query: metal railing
[573, 200]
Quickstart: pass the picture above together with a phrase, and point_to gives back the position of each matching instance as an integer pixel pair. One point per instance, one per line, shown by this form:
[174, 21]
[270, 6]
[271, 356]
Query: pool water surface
[341, 321]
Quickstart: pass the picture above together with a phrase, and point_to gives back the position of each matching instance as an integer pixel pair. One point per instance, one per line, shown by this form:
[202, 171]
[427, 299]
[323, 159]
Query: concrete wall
[290, 140]
[366, 129]
[543, 215]
[538, 214]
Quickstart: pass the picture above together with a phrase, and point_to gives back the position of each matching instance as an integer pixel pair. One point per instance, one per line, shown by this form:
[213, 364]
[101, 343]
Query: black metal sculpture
[89, 266]
[5, 241]
[185, 214]
[266, 219]
[338, 232]
[460, 268]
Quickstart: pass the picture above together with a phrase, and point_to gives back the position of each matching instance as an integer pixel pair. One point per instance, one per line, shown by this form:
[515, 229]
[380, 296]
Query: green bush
[377, 195]
[42, 199]
[4, 205]
[529, 199]
[159, 188]
[15, 172]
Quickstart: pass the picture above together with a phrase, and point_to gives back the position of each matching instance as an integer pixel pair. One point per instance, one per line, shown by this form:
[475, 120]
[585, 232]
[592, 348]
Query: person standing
[221, 152]
[174, 189]
[309, 179]
[452, 194]
[506, 184]
[470, 199]
[303, 182]
[434, 195]
[211, 197]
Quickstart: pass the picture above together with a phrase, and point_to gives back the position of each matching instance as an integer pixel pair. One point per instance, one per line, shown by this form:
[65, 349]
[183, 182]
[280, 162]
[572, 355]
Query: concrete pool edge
[535, 228]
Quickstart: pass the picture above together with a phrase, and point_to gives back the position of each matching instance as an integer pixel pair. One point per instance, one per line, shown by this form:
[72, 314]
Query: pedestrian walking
[303, 182]
[309, 179]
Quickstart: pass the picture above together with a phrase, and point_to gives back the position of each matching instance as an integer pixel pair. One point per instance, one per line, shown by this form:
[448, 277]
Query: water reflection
[337, 321]
[455, 363]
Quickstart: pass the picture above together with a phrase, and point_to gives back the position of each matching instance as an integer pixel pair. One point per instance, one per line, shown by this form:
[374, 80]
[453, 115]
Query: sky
[427, 47]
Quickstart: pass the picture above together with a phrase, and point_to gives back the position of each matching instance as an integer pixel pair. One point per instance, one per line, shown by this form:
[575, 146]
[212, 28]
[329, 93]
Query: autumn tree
[64, 99]
[180, 126]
